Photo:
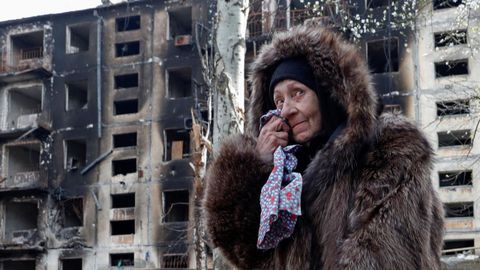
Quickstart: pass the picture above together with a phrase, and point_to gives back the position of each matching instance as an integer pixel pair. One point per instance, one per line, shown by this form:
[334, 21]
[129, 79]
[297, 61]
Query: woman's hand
[273, 134]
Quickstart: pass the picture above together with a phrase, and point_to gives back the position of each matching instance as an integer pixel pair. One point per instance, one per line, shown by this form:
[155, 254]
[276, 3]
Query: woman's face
[300, 107]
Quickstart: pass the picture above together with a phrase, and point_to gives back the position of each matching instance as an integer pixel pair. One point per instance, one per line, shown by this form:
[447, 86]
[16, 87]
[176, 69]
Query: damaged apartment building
[95, 113]
[430, 75]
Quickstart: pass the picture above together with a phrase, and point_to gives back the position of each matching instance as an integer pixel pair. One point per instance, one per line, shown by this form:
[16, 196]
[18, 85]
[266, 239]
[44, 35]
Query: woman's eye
[299, 92]
[278, 103]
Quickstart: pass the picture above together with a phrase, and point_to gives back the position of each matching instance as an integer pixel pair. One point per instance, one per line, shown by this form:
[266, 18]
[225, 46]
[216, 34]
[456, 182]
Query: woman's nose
[287, 109]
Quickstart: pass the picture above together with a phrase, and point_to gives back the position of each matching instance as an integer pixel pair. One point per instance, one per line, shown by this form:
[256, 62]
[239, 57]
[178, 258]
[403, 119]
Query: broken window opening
[124, 166]
[175, 261]
[177, 144]
[125, 106]
[127, 48]
[23, 104]
[122, 259]
[19, 265]
[26, 46]
[376, 3]
[456, 107]
[175, 206]
[450, 38]
[76, 95]
[455, 178]
[383, 55]
[180, 22]
[122, 227]
[451, 68]
[78, 38]
[126, 200]
[458, 209]
[75, 152]
[126, 81]
[179, 82]
[71, 264]
[128, 23]
[23, 162]
[457, 244]
[454, 138]
[21, 217]
[125, 140]
[72, 211]
[441, 4]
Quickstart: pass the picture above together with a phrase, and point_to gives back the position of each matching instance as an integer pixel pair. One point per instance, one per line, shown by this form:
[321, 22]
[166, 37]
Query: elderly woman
[362, 178]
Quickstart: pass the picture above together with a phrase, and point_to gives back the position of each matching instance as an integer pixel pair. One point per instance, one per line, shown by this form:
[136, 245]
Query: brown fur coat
[367, 201]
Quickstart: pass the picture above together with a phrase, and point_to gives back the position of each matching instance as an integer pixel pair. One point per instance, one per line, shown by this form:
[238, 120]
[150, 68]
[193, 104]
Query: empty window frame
[76, 95]
[376, 3]
[455, 107]
[72, 212]
[23, 160]
[458, 209]
[125, 140]
[26, 46]
[441, 4]
[20, 216]
[175, 205]
[383, 55]
[78, 38]
[179, 82]
[124, 166]
[450, 38]
[127, 48]
[451, 68]
[75, 153]
[177, 144]
[454, 138]
[180, 22]
[126, 81]
[122, 227]
[125, 106]
[121, 259]
[71, 264]
[457, 246]
[18, 265]
[455, 178]
[124, 200]
[128, 23]
[175, 261]
[23, 102]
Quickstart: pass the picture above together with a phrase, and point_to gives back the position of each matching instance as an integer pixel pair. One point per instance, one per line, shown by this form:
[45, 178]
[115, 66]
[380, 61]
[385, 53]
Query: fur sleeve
[231, 204]
[397, 220]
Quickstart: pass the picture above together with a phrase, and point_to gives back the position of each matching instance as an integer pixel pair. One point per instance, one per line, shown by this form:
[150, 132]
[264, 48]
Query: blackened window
[125, 106]
[458, 209]
[122, 259]
[455, 178]
[450, 38]
[124, 140]
[128, 23]
[451, 68]
[441, 4]
[126, 81]
[455, 107]
[383, 55]
[457, 245]
[126, 200]
[454, 138]
[127, 48]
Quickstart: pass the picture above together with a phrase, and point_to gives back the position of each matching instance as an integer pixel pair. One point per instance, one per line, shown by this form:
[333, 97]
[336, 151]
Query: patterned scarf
[280, 196]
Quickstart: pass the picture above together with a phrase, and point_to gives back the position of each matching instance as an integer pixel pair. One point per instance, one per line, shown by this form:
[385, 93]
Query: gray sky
[16, 9]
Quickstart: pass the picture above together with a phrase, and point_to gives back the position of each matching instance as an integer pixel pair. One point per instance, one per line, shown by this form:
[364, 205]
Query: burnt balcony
[25, 59]
[22, 167]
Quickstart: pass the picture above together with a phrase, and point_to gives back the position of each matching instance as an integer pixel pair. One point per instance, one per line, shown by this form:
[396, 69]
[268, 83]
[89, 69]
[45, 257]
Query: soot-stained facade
[95, 113]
